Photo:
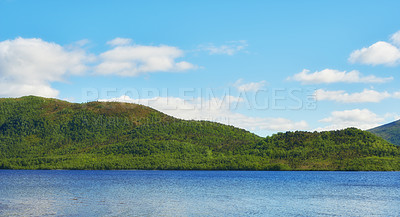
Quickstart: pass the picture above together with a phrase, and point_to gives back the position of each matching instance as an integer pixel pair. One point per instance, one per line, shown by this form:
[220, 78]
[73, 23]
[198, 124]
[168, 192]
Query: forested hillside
[390, 132]
[41, 133]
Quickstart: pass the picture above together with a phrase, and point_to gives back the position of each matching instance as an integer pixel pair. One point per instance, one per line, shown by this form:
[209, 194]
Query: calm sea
[198, 193]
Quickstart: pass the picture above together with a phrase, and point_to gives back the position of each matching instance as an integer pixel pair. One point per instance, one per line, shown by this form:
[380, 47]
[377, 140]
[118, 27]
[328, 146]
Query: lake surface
[198, 193]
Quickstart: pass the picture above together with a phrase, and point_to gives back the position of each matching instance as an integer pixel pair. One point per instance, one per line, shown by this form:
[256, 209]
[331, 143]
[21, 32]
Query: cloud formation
[365, 96]
[28, 66]
[395, 38]
[359, 118]
[396, 95]
[119, 41]
[328, 76]
[133, 60]
[230, 48]
[214, 109]
[248, 87]
[380, 53]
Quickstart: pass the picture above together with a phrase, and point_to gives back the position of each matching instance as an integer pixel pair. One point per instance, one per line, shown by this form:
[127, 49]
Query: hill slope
[40, 133]
[390, 132]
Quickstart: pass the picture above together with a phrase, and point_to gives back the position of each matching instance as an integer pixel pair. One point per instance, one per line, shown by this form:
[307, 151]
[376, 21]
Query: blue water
[198, 193]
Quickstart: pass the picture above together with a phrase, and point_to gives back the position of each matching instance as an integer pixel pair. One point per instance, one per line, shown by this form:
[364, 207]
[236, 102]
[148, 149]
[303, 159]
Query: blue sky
[266, 66]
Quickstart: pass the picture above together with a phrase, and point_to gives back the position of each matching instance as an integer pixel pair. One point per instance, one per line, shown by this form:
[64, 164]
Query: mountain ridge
[43, 133]
[389, 132]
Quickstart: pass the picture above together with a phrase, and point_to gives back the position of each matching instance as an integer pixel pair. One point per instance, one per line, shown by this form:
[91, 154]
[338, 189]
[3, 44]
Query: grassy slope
[390, 132]
[40, 133]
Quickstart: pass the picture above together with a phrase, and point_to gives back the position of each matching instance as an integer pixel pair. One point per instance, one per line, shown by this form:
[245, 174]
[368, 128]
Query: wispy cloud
[395, 38]
[119, 41]
[82, 42]
[248, 87]
[366, 96]
[229, 48]
[328, 76]
[396, 95]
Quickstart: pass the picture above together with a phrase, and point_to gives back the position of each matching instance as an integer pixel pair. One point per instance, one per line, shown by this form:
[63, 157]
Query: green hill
[41, 133]
[390, 132]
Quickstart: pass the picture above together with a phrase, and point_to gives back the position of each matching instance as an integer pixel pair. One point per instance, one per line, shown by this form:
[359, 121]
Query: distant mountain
[41, 133]
[390, 132]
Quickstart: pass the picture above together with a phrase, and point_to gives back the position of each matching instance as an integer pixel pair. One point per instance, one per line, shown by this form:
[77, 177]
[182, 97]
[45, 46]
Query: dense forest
[41, 133]
[390, 132]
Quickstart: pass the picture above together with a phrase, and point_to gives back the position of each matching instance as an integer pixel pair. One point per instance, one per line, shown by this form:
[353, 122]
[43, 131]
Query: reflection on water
[198, 193]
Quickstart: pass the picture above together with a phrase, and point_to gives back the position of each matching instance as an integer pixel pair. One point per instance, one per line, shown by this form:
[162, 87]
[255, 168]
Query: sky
[264, 66]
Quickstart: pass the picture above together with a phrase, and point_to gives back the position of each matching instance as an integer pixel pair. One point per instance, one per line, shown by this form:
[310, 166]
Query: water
[198, 193]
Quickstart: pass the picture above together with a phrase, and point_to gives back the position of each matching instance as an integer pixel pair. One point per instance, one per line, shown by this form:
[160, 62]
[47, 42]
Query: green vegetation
[390, 132]
[41, 133]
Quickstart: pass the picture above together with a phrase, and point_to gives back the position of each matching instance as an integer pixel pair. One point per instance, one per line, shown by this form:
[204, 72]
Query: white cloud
[396, 95]
[230, 48]
[82, 42]
[133, 60]
[119, 41]
[359, 118]
[28, 66]
[334, 76]
[395, 38]
[246, 87]
[392, 117]
[214, 109]
[379, 53]
[343, 97]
